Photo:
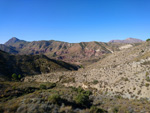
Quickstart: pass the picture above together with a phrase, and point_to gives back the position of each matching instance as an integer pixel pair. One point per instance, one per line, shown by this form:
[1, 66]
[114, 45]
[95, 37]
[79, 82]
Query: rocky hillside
[71, 52]
[79, 53]
[30, 65]
[128, 40]
[8, 49]
[123, 73]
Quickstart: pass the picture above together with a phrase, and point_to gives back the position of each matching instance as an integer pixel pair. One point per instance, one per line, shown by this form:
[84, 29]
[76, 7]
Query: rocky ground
[124, 73]
[118, 83]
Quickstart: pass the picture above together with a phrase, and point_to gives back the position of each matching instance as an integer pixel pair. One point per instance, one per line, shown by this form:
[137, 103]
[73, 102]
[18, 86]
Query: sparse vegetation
[54, 98]
[125, 79]
[147, 78]
[147, 85]
[95, 82]
[42, 86]
[65, 100]
[82, 99]
[117, 76]
[95, 109]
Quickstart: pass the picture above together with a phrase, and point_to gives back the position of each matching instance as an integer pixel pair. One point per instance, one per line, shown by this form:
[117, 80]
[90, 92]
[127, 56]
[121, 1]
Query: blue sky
[74, 20]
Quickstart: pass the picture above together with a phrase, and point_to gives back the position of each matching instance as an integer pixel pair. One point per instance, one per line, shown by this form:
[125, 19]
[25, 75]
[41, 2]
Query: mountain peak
[129, 38]
[12, 41]
[14, 38]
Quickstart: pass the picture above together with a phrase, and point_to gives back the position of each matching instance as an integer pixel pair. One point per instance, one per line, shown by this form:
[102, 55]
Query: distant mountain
[70, 52]
[12, 41]
[8, 49]
[128, 40]
[30, 64]
[16, 43]
[79, 53]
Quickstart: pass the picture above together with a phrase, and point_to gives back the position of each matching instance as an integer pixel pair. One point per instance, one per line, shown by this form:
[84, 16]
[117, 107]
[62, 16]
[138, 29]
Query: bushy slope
[30, 64]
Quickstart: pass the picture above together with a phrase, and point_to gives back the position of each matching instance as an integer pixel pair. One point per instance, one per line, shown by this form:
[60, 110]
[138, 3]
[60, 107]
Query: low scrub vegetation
[58, 98]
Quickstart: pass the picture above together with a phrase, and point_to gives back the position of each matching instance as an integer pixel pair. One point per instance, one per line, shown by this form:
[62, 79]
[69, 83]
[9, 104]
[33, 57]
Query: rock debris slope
[124, 73]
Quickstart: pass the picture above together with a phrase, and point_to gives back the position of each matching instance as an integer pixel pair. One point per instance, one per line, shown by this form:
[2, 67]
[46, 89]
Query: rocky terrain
[119, 82]
[83, 53]
[124, 73]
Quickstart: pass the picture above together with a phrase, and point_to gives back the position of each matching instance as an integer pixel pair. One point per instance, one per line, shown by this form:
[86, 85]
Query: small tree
[148, 40]
[19, 76]
[14, 77]
[82, 99]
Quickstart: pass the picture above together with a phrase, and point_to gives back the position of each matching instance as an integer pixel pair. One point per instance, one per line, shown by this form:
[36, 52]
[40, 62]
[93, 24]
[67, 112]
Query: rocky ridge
[82, 53]
[128, 40]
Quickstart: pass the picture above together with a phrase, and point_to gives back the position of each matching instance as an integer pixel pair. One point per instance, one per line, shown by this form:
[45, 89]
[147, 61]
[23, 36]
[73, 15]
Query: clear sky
[74, 20]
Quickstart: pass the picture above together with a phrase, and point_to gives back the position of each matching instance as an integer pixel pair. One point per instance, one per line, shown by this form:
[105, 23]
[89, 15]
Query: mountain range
[115, 79]
[78, 53]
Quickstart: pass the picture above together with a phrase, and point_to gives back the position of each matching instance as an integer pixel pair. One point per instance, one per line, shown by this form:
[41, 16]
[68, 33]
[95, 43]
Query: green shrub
[81, 66]
[147, 78]
[95, 82]
[88, 93]
[125, 79]
[42, 86]
[147, 85]
[94, 109]
[115, 110]
[51, 85]
[19, 76]
[14, 77]
[82, 91]
[55, 98]
[13, 87]
[79, 90]
[82, 99]
[147, 40]
[147, 74]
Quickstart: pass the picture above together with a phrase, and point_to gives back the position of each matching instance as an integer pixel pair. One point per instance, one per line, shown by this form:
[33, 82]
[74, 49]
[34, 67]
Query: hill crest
[128, 40]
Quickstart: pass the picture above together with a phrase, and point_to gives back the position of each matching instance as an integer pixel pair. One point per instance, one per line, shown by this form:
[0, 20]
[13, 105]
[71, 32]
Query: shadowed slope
[30, 64]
